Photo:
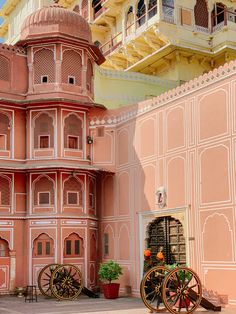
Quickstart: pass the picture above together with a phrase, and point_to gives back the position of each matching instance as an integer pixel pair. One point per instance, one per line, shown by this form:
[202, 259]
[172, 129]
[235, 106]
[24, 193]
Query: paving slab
[83, 305]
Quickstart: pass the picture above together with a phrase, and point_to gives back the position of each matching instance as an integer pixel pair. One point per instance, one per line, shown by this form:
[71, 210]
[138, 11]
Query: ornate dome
[53, 21]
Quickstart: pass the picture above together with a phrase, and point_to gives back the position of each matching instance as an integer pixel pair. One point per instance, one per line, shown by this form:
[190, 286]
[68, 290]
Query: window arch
[43, 192]
[218, 15]
[5, 191]
[44, 66]
[152, 8]
[73, 246]
[72, 68]
[4, 248]
[97, 6]
[5, 69]
[5, 129]
[141, 10]
[43, 246]
[43, 132]
[130, 21]
[201, 13]
[73, 132]
[89, 75]
[73, 192]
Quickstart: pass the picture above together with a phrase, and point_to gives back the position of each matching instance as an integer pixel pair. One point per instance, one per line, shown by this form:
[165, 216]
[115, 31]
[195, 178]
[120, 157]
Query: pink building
[80, 184]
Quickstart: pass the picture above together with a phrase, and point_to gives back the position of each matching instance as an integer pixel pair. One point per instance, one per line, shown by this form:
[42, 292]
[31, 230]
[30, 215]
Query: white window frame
[70, 135]
[67, 198]
[5, 141]
[44, 192]
[42, 76]
[49, 142]
[70, 76]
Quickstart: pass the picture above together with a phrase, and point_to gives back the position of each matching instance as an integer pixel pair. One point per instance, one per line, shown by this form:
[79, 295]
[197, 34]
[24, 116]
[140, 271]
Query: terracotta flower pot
[111, 290]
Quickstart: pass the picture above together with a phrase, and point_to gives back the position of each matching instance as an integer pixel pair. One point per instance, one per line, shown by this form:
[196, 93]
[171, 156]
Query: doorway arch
[166, 234]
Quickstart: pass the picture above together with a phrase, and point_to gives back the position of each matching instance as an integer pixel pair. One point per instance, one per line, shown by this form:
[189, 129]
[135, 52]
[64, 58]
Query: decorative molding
[223, 72]
[135, 76]
[12, 49]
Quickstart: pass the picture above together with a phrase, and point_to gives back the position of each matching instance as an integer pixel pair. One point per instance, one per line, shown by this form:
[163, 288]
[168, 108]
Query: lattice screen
[4, 69]
[5, 192]
[73, 127]
[84, 9]
[5, 127]
[89, 75]
[201, 13]
[72, 66]
[44, 65]
[43, 185]
[43, 126]
[72, 185]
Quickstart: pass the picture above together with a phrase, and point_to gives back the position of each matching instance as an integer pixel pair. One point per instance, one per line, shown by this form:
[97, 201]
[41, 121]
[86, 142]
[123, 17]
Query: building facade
[82, 184]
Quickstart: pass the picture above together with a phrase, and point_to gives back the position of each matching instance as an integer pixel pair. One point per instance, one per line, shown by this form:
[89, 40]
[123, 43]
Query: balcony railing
[112, 44]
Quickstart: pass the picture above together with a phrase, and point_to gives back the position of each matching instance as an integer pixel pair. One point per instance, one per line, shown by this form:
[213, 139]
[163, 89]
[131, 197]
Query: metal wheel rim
[181, 298]
[65, 280]
[46, 292]
[153, 280]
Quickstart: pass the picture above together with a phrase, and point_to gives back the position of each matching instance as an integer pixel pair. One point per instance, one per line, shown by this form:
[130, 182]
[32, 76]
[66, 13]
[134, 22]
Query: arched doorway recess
[167, 234]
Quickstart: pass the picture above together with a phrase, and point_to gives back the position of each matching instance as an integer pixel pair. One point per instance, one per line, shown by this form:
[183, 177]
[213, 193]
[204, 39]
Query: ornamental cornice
[13, 49]
[134, 76]
[146, 106]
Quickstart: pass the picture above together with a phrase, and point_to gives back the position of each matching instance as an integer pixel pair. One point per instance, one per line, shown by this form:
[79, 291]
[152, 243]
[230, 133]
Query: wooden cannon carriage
[179, 290]
[64, 282]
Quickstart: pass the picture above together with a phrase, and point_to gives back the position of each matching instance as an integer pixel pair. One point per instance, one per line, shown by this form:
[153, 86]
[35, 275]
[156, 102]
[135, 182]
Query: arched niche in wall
[124, 193]
[44, 72]
[176, 182]
[175, 128]
[214, 175]
[5, 191]
[43, 131]
[71, 68]
[43, 246]
[5, 131]
[217, 239]
[73, 192]
[108, 196]
[124, 242]
[73, 132]
[123, 146]
[43, 192]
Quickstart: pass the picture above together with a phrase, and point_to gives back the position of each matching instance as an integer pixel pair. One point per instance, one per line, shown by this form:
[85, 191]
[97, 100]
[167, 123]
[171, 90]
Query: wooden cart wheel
[44, 279]
[182, 291]
[151, 288]
[66, 282]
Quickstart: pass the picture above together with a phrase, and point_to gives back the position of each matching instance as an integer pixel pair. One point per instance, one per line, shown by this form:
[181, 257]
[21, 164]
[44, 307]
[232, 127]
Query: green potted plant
[109, 271]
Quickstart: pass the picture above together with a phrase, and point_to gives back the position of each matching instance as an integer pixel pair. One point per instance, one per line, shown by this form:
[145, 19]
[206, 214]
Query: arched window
[89, 75]
[201, 13]
[43, 132]
[43, 246]
[5, 191]
[152, 8]
[73, 246]
[141, 10]
[73, 132]
[5, 128]
[44, 67]
[130, 21]
[72, 68]
[84, 9]
[5, 69]
[43, 192]
[73, 192]
[4, 248]
[97, 6]
[218, 14]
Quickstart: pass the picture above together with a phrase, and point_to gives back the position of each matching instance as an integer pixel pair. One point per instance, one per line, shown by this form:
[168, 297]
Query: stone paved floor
[84, 305]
